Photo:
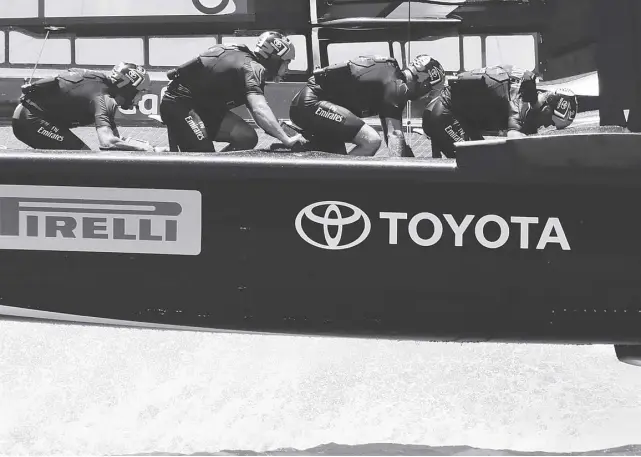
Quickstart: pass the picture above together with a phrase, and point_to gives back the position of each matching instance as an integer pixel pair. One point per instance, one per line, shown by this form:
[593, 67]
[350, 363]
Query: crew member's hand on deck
[515, 134]
[294, 140]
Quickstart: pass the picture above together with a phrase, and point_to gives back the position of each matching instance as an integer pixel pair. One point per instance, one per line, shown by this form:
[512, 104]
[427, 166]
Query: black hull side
[256, 274]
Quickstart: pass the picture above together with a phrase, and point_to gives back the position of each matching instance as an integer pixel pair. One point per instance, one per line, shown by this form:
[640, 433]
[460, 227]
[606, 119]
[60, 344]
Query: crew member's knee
[367, 140]
[426, 125]
[20, 132]
[16, 127]
[243, 138]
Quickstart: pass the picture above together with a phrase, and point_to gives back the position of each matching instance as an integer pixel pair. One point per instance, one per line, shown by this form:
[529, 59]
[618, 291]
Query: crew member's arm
[108, 140]
[515, 121]
[515, 134]
[264, 117]
[394, 102]
[393, 129]
[527, 99]
[108, 135]
[527, 87]
[254, 75]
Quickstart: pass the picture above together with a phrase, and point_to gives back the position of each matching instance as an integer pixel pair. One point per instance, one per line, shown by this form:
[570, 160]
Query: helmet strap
[409, 75]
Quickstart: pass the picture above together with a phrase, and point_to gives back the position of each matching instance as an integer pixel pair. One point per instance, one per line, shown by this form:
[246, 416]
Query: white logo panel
[97, 219]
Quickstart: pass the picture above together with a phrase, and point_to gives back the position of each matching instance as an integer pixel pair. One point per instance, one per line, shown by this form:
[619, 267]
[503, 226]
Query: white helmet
[564, 105]
[428, 72]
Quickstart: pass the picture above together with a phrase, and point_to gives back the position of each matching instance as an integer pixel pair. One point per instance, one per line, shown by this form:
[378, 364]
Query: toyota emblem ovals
[335, 218]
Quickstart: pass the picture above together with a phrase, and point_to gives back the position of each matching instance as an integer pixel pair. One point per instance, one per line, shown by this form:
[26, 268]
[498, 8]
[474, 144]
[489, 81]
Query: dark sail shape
[568, 28]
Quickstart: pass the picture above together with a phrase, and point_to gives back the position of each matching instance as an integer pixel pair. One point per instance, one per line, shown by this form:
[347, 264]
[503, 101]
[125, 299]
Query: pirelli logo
[98, 219]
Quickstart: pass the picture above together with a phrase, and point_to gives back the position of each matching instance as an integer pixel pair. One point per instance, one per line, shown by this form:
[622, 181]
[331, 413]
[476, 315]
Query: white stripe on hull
[39, 315]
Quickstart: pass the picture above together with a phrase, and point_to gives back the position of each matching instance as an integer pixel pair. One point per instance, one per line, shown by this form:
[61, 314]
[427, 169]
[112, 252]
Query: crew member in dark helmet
[330, 108]
[498, 98]
[50, 107]
[196, 107]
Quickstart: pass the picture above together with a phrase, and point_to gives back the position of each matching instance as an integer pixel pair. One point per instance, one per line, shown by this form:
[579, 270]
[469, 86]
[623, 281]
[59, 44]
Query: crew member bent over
[50, 107]
[497, 98]
[196, 105]
[330, 108]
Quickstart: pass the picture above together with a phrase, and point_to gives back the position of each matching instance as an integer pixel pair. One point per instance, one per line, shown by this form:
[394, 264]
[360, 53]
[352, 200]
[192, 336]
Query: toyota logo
[335, 218]
[204, 6]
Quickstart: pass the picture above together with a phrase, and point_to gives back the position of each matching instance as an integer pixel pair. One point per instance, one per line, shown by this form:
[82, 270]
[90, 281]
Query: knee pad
[246, 137]
[368, 137]
[375, 141]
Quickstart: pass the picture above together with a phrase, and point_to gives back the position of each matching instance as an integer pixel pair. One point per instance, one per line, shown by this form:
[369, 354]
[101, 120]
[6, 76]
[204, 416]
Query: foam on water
[78, 390]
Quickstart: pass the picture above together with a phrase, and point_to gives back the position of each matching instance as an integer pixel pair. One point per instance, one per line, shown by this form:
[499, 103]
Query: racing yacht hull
[535, 240]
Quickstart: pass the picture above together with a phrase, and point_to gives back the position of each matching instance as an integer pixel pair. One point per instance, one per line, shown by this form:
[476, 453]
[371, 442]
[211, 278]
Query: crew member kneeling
[196, 105]
[330, 108]
[50, 107]
[495, 98]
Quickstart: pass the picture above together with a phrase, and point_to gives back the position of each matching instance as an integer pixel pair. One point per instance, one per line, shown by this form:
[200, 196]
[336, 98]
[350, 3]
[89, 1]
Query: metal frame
[318, 36]
[6, 46]
[146, 50]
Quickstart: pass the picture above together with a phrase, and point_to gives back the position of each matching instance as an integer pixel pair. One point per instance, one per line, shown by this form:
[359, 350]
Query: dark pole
[619, 62]
[634, 118]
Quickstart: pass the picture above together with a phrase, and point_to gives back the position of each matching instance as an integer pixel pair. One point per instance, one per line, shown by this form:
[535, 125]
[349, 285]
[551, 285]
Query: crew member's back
[212, 79]
[50, 107]
[331, 107]
[72, 97]
[365, 85]
[196, 107]
[487, 98]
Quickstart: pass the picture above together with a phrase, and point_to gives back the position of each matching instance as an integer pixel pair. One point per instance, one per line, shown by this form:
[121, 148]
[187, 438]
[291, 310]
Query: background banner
[28, 9]
[89, 8]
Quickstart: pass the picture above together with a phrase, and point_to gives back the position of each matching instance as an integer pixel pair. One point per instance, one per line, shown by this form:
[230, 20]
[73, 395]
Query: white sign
[128, 8]
[333, 220]
[99, 219]
[18, 9]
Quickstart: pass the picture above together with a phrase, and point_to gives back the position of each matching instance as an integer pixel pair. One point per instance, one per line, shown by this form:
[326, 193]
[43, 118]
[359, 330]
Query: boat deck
[585, 122]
